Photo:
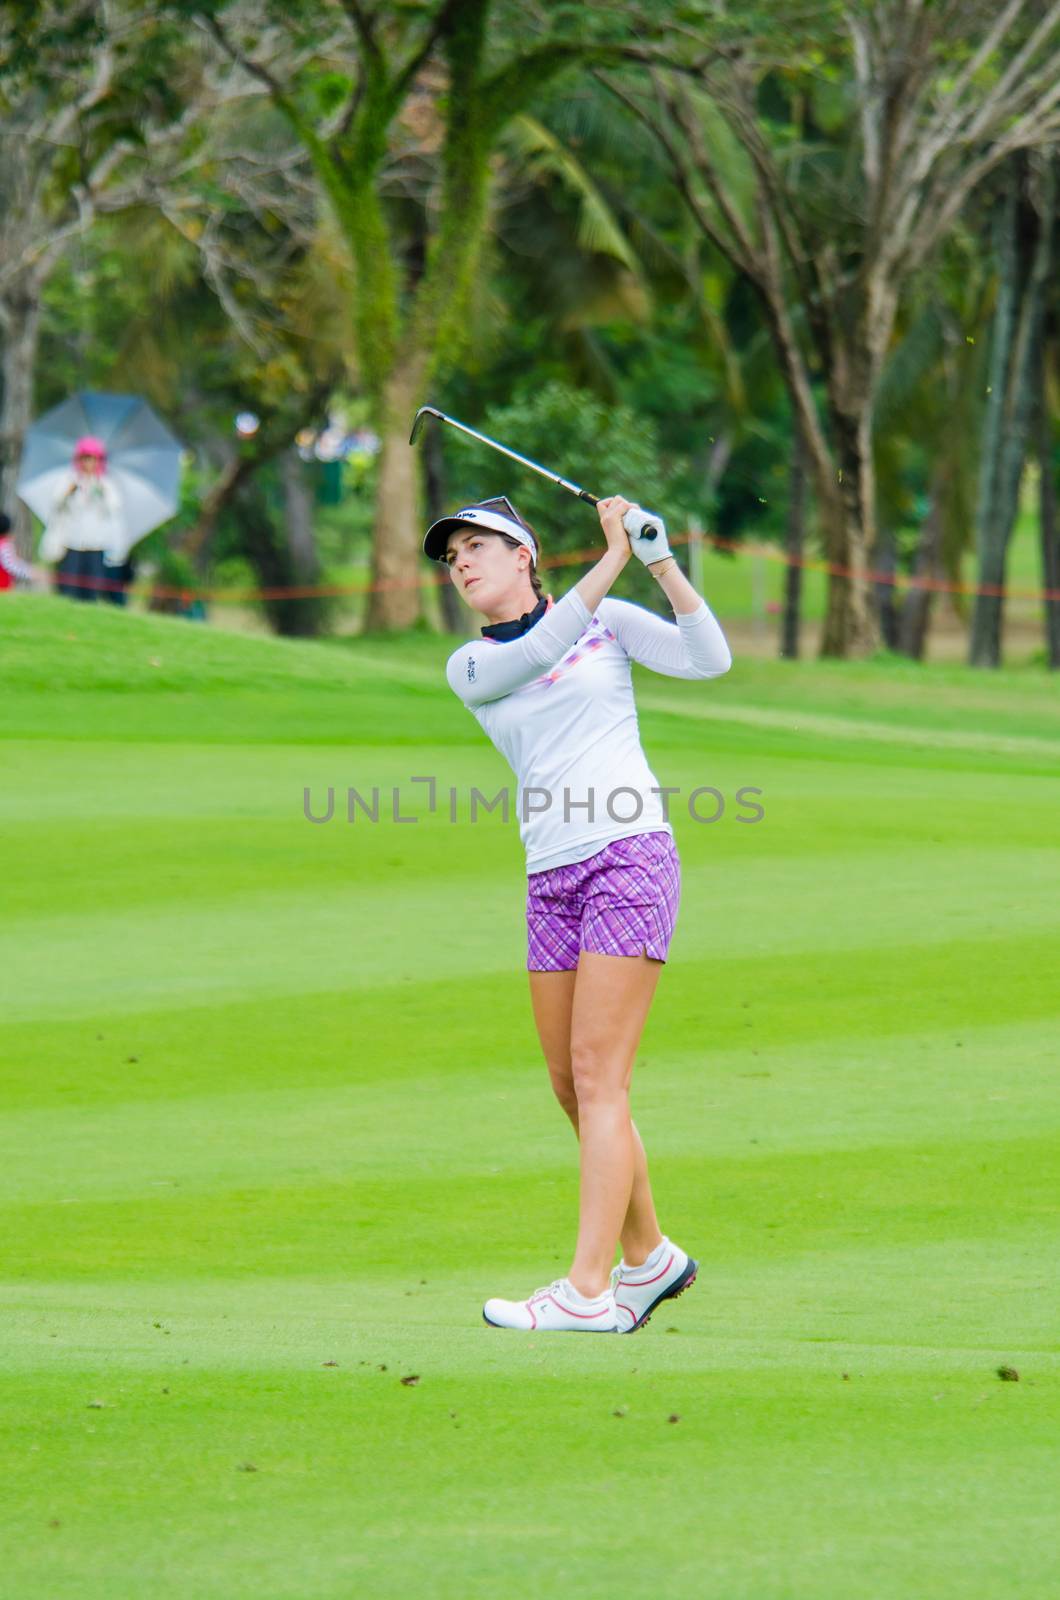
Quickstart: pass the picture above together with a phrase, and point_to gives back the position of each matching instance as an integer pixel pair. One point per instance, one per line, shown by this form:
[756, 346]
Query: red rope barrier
[566, 559]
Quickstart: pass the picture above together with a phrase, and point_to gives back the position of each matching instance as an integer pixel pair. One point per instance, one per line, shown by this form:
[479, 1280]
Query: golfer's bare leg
[611, 999]
[612, 995]
[640, 1226]
[552, 995]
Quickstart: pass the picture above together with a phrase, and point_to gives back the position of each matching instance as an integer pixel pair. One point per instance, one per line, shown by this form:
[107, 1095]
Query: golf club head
[417, 421]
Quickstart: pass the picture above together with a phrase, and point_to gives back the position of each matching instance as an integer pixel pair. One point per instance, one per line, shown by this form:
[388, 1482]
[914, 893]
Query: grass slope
[276, 1123]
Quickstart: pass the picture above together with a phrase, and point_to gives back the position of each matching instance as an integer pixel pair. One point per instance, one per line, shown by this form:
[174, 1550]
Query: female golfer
[551, 686]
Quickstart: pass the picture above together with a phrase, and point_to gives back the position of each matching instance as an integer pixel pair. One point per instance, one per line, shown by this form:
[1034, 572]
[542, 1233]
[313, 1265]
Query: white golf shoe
[638, 1290]
[554, 1310]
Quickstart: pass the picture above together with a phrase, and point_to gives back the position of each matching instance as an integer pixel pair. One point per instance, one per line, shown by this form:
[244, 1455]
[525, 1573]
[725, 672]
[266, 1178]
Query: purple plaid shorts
[620, 902]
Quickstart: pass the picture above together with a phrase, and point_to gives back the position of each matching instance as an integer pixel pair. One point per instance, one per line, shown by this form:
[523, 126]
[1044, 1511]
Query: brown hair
[513, 544]
[502, 504]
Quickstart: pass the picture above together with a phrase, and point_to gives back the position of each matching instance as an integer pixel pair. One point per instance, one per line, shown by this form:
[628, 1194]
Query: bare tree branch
[406, 75]
[867, 71]
[363, 23]
[738, 246]
[735, 104]
[998, 103]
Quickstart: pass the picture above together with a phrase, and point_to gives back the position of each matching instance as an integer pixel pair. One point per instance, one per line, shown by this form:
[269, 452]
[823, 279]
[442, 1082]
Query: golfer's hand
[611, 511]
[648, 550]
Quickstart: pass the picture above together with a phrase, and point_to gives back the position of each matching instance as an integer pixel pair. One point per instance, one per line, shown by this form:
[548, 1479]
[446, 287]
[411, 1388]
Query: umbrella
[143, 460]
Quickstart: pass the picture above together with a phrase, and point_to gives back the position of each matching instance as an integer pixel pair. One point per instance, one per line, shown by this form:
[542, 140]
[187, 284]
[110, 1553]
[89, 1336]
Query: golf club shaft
[553, 477]
[646, 532]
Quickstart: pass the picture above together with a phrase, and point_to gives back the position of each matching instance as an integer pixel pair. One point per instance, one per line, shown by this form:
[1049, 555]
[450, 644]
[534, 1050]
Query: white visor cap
[436, 542]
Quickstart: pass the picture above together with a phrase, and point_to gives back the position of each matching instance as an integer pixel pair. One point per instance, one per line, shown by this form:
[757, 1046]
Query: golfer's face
[482, 566]
[90, 463]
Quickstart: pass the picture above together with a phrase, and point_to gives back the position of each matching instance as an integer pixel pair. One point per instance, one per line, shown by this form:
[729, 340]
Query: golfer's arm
[676, 587]
[486, 670]
[599, 579]
[693, 646]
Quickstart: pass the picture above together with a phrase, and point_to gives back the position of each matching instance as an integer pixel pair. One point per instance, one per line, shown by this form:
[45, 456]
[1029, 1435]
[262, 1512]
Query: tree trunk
[841, 470]
[453, 614]
[264, 545]
[234, 475]
[992, 526]
[848, 525]
[1049, 524]
[718, 458]
[1024, 235]
[304, 615]
[397, 537]
[20, 319]
[260, 513]
[298, 505]
[885, 566]
[927, 564]
[796, 541]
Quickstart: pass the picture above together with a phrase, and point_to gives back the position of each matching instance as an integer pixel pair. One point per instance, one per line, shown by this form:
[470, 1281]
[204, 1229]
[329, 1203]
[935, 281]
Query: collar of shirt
[513, 630]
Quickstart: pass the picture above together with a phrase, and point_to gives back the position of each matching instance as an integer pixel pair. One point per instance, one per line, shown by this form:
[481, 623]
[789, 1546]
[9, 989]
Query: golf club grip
[646, 530]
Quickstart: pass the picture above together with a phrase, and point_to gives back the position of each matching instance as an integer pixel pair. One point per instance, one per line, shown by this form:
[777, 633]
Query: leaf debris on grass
[1008, 1374]
[770, 1380]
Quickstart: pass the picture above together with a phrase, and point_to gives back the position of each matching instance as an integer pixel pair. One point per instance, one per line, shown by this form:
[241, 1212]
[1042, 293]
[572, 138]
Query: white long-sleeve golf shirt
[558, 704]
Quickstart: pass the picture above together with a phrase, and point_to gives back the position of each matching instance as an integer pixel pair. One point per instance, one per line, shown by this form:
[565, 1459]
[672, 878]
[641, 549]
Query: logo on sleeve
[470, 669]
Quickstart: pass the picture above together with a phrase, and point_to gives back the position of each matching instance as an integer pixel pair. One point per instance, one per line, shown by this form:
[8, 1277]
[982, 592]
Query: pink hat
[89, 445]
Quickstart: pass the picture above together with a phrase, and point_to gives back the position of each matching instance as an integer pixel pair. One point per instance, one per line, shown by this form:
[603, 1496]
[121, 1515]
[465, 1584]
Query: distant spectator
[84, 527]
[12, 567]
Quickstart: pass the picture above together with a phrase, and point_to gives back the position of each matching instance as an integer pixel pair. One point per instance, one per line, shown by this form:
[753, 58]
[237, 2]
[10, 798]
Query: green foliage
[172, 568]
[37, 41]
[590, 325]
[543, 152]
[605, 448]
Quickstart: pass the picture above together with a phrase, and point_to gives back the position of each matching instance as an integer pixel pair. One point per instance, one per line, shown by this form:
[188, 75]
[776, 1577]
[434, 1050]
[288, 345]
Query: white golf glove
[646, 550]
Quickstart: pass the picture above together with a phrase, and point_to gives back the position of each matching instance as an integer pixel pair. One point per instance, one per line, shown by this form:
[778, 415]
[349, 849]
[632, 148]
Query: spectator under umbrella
[85, 528]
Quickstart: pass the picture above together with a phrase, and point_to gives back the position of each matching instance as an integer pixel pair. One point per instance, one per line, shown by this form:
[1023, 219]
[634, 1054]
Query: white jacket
[87, 515]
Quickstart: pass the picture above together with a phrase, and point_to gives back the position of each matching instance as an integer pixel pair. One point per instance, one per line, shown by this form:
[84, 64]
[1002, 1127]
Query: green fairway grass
[276, 1122]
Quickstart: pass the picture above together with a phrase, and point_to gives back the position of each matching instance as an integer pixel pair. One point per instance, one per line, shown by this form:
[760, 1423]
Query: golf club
[635, 521]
